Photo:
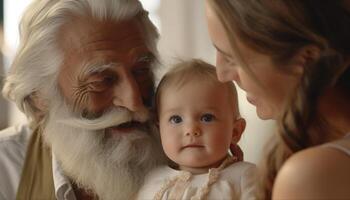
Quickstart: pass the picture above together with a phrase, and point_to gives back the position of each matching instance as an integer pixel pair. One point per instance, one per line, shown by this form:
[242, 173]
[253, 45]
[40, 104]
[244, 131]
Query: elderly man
[83, 77]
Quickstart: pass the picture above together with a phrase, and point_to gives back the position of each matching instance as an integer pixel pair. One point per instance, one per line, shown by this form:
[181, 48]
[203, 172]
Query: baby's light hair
[193, 70]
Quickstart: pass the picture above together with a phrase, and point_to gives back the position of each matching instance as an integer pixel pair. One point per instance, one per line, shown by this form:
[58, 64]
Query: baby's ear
[238, 128]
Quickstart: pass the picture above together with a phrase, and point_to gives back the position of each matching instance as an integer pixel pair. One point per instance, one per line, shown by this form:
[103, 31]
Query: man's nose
[128, 94]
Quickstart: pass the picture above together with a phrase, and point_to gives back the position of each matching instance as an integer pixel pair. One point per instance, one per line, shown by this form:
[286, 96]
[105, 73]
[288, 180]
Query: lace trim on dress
[184, 178]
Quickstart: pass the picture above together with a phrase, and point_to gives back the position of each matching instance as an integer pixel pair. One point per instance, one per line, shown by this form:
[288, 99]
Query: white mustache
[114, 117]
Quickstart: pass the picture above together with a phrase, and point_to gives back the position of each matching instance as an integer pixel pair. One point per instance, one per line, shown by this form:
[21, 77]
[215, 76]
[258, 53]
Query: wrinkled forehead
[82, 31]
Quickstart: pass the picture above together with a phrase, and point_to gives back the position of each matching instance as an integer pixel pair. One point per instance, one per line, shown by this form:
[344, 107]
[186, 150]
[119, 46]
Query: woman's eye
[228, 60]
[207, 117]
[175, 119]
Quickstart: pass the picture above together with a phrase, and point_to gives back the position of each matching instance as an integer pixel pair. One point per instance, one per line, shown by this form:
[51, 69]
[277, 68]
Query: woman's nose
[227, 74]
[224, 70]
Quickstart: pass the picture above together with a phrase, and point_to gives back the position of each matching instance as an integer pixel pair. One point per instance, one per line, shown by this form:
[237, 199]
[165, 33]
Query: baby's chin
[196, 166]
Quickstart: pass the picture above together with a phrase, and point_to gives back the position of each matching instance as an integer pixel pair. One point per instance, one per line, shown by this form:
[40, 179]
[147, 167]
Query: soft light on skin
[126, 82]
[270, 91]
[106, 77]
[198, 122]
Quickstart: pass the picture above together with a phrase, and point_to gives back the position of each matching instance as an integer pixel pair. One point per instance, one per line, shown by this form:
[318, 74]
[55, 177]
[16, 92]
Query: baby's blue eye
[175, 119]
[207, 117]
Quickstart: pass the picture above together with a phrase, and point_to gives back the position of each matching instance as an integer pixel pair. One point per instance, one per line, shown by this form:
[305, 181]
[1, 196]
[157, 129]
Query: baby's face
[196, 123]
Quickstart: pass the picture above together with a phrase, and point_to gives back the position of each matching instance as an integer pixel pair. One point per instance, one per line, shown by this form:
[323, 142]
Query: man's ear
[305, 55]
[39, 104]
[239, 127]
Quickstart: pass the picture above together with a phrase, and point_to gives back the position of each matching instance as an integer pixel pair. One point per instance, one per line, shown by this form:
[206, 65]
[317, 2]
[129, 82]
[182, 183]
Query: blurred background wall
[184, 35]
[3, 103]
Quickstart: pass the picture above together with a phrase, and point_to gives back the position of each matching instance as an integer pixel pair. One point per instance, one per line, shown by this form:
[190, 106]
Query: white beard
[112, 168]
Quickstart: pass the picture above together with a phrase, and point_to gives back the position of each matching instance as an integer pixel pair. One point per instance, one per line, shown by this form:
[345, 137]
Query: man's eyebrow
[148, 57]
[221, 51]
[96, 68]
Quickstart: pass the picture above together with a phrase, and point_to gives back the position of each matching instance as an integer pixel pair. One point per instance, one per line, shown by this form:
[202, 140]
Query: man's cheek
[99, 102]
[88, 114]
[148, 93]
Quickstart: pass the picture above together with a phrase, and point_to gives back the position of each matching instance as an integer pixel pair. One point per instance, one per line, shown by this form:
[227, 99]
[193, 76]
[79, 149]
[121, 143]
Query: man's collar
[63, 188]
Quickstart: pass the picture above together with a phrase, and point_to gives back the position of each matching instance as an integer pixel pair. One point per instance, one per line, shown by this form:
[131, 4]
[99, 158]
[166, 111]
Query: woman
[292, 58]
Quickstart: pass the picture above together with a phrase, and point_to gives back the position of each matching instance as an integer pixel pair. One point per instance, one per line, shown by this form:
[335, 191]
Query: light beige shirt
[342, 144]
[236, 181]
[13, 145]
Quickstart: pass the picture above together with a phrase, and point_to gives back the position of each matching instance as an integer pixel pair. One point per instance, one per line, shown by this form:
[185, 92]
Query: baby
[198, 121]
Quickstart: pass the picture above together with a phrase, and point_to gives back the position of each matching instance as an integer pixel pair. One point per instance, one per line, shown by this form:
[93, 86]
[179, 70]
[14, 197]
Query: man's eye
[148, 58]
[175, 119]
[207, 117]
[102, 84]
[143, 65]
[144, 70]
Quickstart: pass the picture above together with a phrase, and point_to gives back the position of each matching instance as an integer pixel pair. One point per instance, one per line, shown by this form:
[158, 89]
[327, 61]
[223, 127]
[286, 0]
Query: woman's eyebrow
[221, 51]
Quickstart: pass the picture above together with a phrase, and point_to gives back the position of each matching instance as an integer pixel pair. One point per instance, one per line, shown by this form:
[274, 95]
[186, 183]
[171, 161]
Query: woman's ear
[304, 56]
[238, 128]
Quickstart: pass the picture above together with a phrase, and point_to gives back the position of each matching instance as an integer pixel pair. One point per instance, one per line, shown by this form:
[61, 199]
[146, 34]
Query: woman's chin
[265, 114]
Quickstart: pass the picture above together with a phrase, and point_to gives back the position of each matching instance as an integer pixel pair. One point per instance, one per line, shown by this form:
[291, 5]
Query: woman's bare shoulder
[319, 172]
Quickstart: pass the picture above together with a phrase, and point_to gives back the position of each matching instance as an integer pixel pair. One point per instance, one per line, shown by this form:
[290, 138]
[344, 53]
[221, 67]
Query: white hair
[113, 168]
[39, 57]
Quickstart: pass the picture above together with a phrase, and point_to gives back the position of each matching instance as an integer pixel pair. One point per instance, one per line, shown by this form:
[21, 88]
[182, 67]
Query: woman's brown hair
[281, 28]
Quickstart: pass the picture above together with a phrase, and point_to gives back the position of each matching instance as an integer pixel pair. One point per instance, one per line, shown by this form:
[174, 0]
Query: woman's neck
[334, 106]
